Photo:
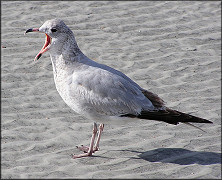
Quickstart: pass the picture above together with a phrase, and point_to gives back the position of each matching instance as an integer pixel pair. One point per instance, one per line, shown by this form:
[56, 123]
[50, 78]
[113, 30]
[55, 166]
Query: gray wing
[108, 93]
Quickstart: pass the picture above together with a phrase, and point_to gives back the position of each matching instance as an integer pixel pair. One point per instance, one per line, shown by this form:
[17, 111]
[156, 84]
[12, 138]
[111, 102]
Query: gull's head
[56, 34]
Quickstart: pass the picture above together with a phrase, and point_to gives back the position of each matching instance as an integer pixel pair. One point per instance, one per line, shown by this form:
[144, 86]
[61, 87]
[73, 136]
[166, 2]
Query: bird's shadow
[180, 156]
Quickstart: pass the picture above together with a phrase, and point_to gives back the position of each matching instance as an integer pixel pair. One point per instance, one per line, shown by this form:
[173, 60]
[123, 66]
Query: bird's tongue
[44, 48]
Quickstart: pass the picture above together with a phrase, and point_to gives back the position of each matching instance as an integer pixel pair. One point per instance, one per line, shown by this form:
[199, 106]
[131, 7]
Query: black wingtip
[206, 121]
[169, 116]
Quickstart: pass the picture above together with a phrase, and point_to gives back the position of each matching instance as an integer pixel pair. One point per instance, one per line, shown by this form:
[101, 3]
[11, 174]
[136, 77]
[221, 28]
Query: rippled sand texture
[170, 48]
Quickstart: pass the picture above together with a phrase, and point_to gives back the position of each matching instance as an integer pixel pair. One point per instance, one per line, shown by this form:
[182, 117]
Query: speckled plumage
[88, 87]
[97, 91]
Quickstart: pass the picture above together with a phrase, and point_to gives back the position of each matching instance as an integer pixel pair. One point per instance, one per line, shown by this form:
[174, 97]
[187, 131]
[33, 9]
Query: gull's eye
[53, 29]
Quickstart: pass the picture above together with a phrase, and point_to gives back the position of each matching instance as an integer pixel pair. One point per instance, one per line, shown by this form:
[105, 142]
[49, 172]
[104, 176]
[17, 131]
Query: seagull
[98, 91]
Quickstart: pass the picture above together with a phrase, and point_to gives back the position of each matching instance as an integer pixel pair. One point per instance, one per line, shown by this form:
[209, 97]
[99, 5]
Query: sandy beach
[170, 48]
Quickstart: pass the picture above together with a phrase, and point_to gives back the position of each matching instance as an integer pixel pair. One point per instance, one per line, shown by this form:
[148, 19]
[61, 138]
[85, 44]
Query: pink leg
[96, 147]
[101, 127]
[83, 148]
[90, 151]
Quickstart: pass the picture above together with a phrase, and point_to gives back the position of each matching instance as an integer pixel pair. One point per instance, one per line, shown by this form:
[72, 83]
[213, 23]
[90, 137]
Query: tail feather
[169, 116]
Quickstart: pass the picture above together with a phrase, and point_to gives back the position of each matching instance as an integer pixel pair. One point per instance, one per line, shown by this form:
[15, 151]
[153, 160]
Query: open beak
[45, 47]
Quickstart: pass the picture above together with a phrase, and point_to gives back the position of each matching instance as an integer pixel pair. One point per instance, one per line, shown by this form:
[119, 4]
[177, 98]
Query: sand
[170, 48]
